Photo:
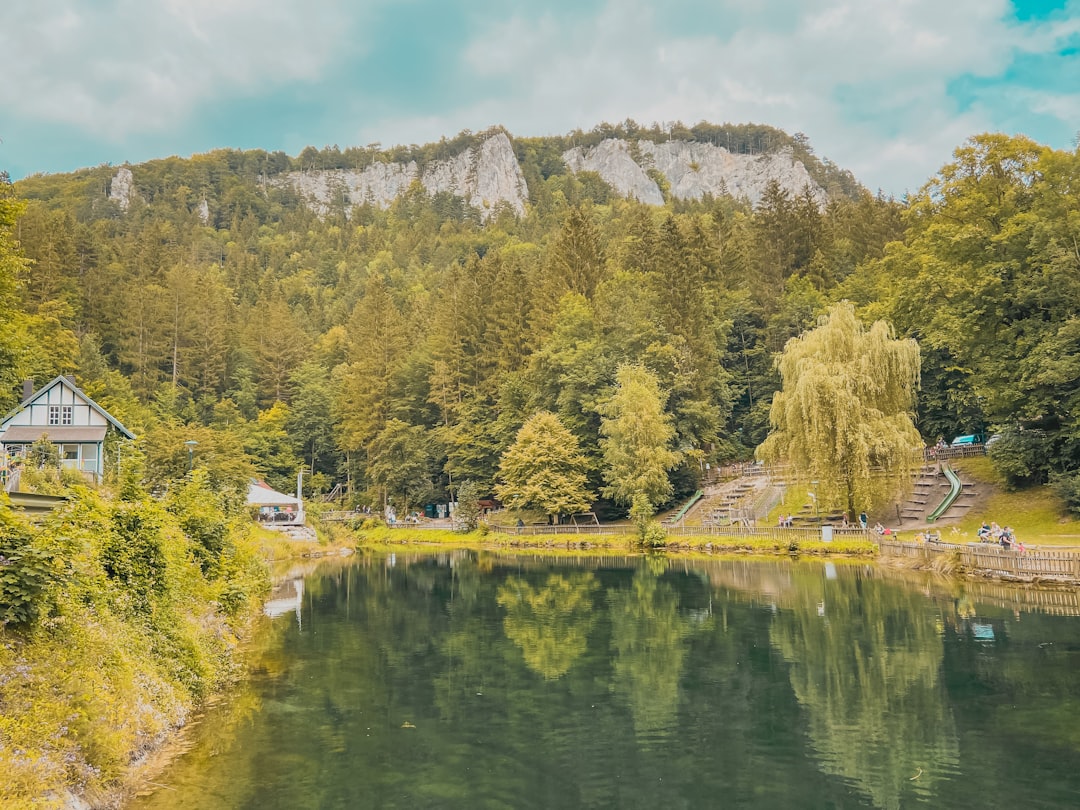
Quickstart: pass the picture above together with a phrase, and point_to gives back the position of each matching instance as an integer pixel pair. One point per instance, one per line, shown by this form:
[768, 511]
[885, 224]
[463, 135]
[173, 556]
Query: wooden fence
[1042, 563]
[774, 533]
[935, 453]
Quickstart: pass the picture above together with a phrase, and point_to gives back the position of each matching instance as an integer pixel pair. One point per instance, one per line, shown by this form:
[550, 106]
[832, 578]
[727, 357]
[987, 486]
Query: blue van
[963, 441]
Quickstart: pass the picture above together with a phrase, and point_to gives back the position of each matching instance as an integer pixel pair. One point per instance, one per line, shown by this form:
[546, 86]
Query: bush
[1021, 458]
[26, 570]
[1067, 486]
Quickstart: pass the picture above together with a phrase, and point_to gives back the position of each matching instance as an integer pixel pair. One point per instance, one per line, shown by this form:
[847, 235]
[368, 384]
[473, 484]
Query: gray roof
[70, 384]
[25, 434]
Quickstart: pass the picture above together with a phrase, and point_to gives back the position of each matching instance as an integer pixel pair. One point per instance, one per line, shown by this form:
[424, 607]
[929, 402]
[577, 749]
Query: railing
[1062, 564]
[774, 533]
[935, 453]
[352, 514]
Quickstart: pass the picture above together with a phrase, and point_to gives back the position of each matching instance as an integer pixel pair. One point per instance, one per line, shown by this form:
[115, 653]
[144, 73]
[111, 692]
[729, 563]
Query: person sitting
[984, 533]
[879, 529]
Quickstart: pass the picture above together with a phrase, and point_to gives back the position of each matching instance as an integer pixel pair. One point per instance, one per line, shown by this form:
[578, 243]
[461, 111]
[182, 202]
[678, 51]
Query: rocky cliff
[692, 170]
[122, 188]
[484, 176]
[487, 175]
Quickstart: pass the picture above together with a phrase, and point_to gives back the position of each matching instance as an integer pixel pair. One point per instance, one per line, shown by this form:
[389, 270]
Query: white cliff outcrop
[488, 175]
[122, 188]
[692, 170]
[611, 159]
[484, 176]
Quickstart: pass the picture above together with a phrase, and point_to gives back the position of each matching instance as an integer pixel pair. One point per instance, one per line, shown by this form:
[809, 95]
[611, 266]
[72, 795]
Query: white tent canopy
[261, 494]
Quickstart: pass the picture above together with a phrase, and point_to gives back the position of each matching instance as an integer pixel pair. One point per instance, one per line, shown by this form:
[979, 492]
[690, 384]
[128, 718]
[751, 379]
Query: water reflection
[486, 680]
[648, 634]
[864, 662]
[550, 623]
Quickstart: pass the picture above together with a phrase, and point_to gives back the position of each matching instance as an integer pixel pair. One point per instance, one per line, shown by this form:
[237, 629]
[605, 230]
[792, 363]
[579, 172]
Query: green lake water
[479, 680]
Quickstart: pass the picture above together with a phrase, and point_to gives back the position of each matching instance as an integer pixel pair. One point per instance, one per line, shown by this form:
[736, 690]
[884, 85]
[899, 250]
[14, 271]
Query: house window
[66, 412]
[54, 414]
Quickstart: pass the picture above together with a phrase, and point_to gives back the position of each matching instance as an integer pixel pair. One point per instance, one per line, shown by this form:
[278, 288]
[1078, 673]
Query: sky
[885, 88]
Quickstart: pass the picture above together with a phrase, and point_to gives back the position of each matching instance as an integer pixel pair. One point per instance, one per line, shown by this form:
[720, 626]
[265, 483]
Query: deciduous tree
[544, 469]
[844, 416]
[637, 439]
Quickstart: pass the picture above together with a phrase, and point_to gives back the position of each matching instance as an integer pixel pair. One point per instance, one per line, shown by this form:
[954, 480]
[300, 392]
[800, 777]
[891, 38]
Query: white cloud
[130, 66]
[867, 80]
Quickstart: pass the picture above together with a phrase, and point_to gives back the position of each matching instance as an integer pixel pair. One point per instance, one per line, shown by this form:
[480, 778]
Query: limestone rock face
[378, 184]
[122, 188]
[692, 170]
[611, 159]
[484, 177]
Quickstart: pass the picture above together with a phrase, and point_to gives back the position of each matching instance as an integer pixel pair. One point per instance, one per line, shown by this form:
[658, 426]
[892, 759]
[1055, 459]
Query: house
[68, 418]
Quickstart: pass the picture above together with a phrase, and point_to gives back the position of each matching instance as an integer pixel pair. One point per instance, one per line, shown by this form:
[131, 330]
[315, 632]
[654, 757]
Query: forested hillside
[400, 350]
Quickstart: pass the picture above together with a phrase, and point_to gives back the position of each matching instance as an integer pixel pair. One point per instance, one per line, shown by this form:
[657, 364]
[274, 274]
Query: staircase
[929, 491]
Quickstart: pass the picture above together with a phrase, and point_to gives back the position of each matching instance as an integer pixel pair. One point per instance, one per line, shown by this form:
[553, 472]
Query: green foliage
[544, 469]
[844, 417]
[109, 632]
[201, 515]
[650, 534]
[26, 572]
[467, 513]
[637, 439]
[133, 554]
[1067, 486]
[401, 455]
[1021, 458]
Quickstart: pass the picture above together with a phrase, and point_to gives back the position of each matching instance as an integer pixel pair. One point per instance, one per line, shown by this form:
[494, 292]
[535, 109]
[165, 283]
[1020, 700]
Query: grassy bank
[1037, 515]
[619, 543]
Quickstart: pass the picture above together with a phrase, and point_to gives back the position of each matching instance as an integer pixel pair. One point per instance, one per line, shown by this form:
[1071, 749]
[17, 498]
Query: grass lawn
[1036, 515]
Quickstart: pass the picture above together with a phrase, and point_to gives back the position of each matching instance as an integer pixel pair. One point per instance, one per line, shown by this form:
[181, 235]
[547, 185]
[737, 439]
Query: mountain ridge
[491, 170]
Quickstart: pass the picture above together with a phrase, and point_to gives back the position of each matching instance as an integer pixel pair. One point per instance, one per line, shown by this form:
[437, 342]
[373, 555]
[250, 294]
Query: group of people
[992, 533]
[786, 521]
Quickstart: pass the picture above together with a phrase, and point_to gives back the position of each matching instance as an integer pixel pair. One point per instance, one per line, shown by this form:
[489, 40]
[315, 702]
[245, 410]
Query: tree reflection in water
[865, 660]
[550, 623]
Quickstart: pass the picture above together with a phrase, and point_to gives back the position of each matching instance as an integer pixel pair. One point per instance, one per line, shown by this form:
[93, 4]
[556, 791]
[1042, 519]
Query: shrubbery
[115, 617]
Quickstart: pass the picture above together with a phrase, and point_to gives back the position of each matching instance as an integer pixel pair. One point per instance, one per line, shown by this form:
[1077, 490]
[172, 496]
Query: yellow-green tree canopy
[844, 415]
[544, 469]
[637, 439]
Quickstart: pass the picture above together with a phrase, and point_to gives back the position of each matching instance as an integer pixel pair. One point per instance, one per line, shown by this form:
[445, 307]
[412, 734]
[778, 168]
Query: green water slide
[955, 488]
[697, 496]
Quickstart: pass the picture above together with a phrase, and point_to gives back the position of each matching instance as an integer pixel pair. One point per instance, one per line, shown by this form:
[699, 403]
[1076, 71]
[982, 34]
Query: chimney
[71, 380]
[27, 389]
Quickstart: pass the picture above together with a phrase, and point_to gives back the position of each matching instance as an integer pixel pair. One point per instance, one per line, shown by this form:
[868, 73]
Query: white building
[68, 418]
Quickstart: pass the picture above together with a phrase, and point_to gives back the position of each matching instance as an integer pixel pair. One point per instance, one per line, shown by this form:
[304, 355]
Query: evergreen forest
[399, 352]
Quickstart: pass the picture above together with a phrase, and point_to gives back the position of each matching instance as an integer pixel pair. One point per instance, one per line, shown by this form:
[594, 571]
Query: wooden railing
[1060, 564]
[960, 451]
[775, 533]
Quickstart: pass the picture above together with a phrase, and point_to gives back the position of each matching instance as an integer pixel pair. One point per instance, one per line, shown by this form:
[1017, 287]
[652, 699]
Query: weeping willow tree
[844, 415]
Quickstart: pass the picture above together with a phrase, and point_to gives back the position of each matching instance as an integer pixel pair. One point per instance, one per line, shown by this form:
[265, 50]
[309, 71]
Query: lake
[481, 680]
